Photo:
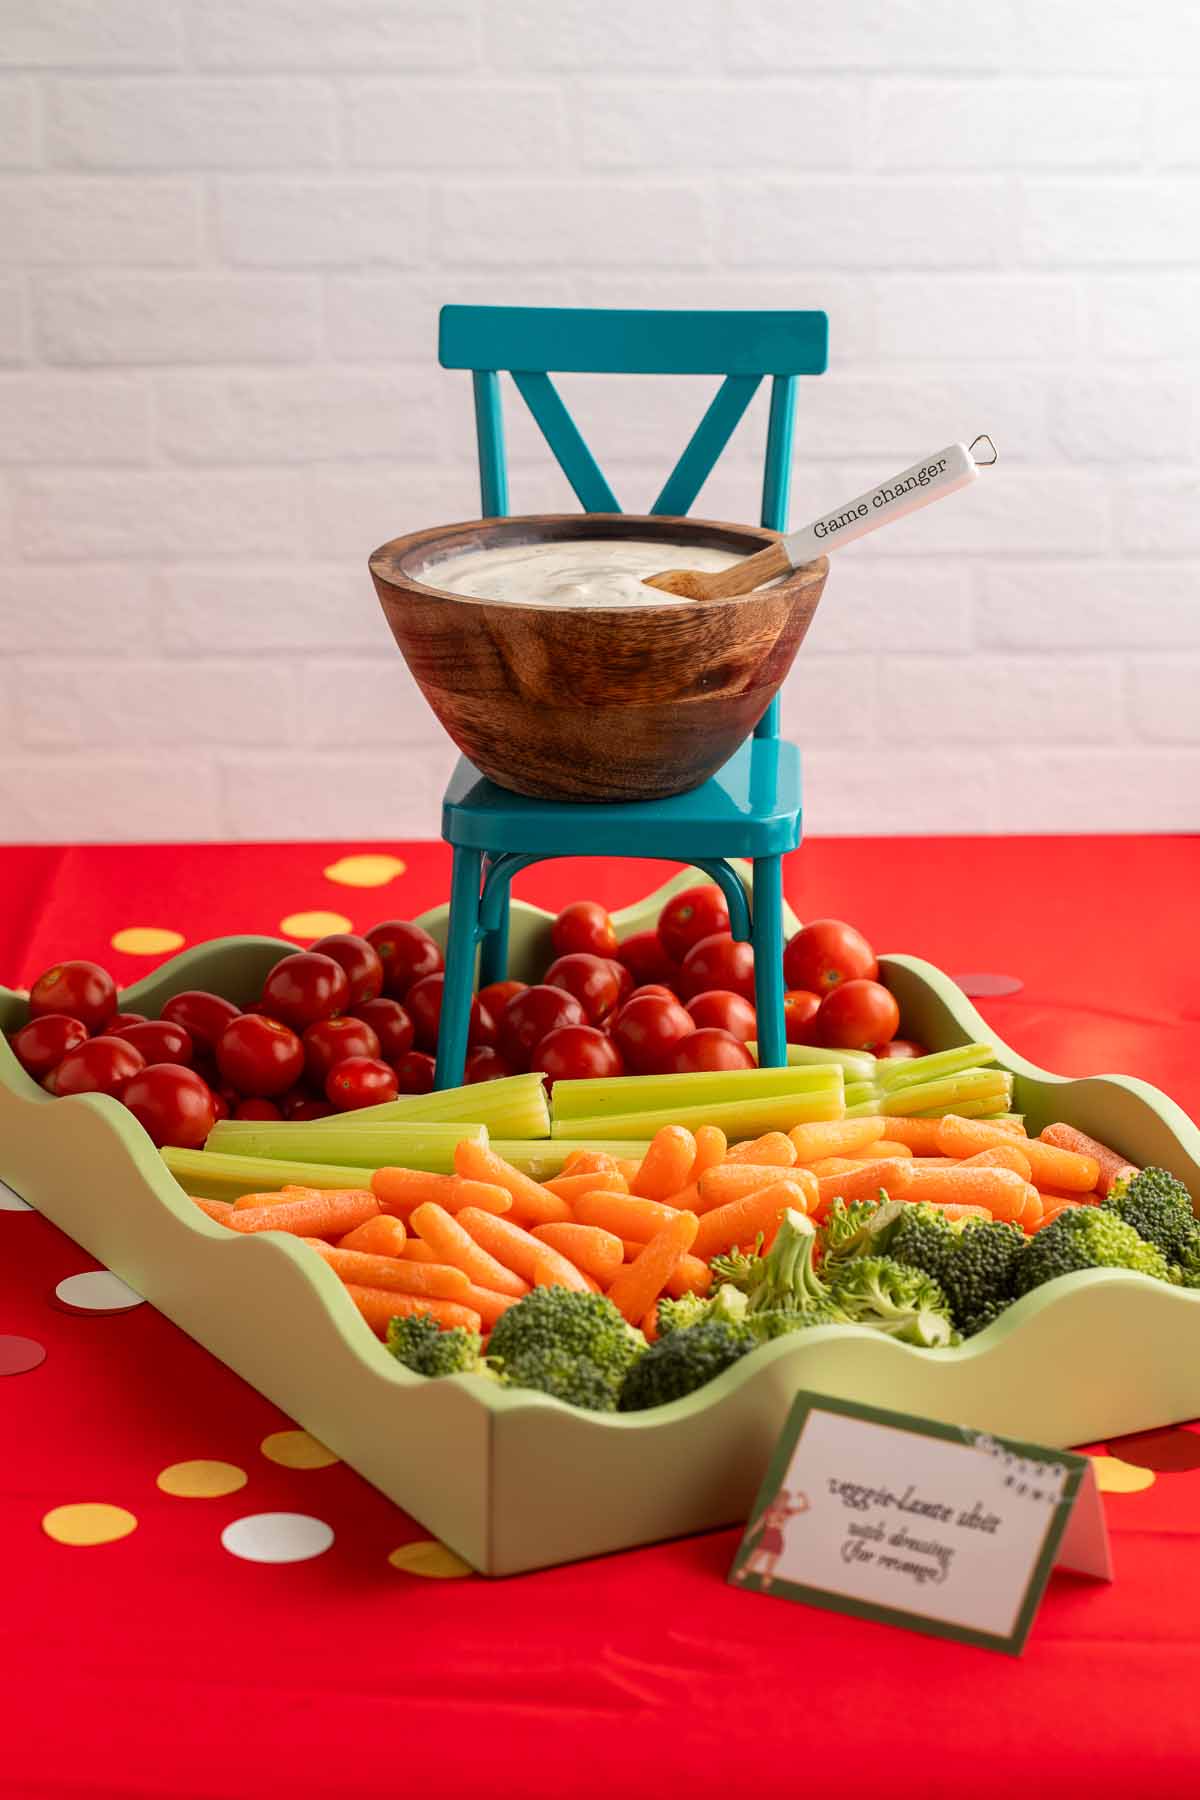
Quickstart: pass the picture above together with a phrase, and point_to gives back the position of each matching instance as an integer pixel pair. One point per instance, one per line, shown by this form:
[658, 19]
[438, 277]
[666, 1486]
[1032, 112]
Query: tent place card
[909, 1522]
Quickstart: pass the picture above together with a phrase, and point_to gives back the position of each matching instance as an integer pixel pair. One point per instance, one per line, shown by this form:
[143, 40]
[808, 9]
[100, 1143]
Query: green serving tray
[515, 1481]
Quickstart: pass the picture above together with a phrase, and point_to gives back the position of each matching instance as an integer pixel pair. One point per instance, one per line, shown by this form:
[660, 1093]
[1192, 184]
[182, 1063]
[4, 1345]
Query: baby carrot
[452, 1241]
[954, 1213]
[628, 1166]
[569, 1187]
[488, 1304]
[399, 1190]
[596, 1252]
[384, 1235]
[667, 1164]
[625, 1215]
[921, 1135]
[830, 1165]
[518, 1252]
[875, 1152]
[650, 1325]
[741, 1220]
[692, 1275]
[378, 1305]
[532, 1204]
[638, 1284]
[1112, 1166]
[773, 1147]
[1033, 1211]
[216, 1209]
[864, 1180]
[436, 1281]
[553, 1270]
[590, 1162]
[332, 1212]
[711, 1148]
[732, 1180]
[836, 1137]
[417, 1250]
[1002, 1191]
[1001, 1156]
[1064, 1169]
[1051, 1212]
[275, 1197]
[1053, 1196]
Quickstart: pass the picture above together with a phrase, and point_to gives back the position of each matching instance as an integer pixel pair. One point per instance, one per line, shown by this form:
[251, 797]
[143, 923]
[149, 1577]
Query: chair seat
[750, 807]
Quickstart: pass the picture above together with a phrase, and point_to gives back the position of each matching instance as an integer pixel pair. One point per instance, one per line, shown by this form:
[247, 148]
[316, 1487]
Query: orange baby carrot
[1052, 1212]
[1053, 1196]
[553, 1270]
[1033, 1211]
[835, 1137]
[741, 1220]
[650, 1325]
[667, 1164]
[590, 1162]
[378, 1305]
[628, 1166]
[830, 1165]
[882, 1147]
[596, 1252]
[691, 1275]
[274, 1197]
[532, 1204]
[711, 1148]
[921, 1135]
[864, 1180]
[438, 1281]
[399, 1190]
[569, 1187]
[384, 1235]
[955, 1212]
[1063, 1169]
[455, 1244]
[1002, 1191]
[1001, 1156]
[518, 1252]
[625, 1215]
[638, 1284]
[331, 1212]
[488, 1303]
[773, 1147]
[216, 1209]
[1113, 1166]
[732, 1180]
[417, 1250]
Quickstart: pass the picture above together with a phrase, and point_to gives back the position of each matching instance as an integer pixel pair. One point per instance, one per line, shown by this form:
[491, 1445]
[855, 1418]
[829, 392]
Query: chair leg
[767, 933]
[461, 945]
[493, 953]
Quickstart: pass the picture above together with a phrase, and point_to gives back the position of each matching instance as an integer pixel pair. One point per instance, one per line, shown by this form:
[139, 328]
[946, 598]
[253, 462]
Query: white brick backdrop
[225, 230]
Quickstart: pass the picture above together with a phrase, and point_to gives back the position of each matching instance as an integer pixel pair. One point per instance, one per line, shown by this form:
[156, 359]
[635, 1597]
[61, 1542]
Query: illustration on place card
[910, 1522]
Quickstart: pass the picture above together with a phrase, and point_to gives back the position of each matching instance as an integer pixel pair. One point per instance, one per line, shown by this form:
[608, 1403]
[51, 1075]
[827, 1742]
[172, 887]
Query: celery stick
[910, 1071]
[859, 1092]
[934, 1097]
[737, 1118]
[214, 1177]
[418, 1146]
[984, 1109]
[857, 1063]
[544, 1160]
[594, 1098]
[512, 1107]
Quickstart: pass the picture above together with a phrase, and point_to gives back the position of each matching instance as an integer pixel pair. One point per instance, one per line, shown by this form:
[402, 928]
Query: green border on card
[829, 1600]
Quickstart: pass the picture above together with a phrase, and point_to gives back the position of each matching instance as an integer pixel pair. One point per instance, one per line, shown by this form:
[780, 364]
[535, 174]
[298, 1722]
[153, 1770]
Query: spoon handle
[934, 476]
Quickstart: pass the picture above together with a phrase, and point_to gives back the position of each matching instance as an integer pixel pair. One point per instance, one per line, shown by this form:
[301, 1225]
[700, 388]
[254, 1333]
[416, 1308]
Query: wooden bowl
[594, 704]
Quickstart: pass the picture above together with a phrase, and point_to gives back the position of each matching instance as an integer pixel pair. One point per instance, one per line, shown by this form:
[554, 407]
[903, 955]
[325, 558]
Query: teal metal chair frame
[751, 808]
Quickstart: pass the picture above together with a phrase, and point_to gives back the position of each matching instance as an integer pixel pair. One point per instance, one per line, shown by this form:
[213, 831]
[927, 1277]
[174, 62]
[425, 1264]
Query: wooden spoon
[942, 473]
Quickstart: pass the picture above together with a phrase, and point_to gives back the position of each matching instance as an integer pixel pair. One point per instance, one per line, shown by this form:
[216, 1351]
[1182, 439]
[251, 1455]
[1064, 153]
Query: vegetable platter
[515, 1480]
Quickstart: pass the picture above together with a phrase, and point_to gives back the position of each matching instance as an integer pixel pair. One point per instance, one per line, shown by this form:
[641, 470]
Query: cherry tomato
[709, 1048]
[697, 913]
[532, 1016]
[720, 1010]
[900, 1050]
[827, 952]
[575, 1052]
[424, 1005]
[304, 988]
[159, 1041]
[646, 960]
[330, 1041]
[653, 987]
[309, 1109]
[625, 981]
[82, 990]
[414, 1072]
[174, 1104]
[203, 1016]
[102, 1065]
[259, 1057]
[584, 925]
[360, 961]
[800, 1010]
[486, 1064]
[407, 953]
[391, 1025]
[295, 1104]
[257, 1109]
[718, 961]
[496, 996]
[360, 1081]
[858, 1015]
[592, 979]
[221, 1106]
[42, 1044]
[647, 1029]
[119, 1021]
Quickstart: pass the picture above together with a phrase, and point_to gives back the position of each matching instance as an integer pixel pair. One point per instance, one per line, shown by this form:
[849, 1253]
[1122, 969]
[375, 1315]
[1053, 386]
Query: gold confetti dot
[428, 1557]
[1116, 1477]
[313, 924]
[88, 1522]
[296, 1450]
[365, 871]
[201, 1480]
[146, 940]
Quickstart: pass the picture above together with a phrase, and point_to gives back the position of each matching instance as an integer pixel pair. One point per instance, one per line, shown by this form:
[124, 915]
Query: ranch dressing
[579, 572]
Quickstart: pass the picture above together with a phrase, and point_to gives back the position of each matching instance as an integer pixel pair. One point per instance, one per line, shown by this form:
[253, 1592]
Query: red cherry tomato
[257, 1109]
[800, 1010]
[414, 1072]
[625, 981]
[858, 1015]
[646, 1031]
[718, 962]
[697, 913]
[159, 1041]
[310, 1109]
[407, 953]
[82, 990]
[41, 1045]
[221, 1106]
[900, 1050]
[174, 1104]
[709, 1048]
[646, 960]
[496, 996]
[825, 953]
[360, 1081]
[331, 1041]
[653, 987]
[260, 1057]
[424, 1005]
[296, 1102]
[391, 1025]
[720, 1010]
[592, 979]
[100, 1066]
[583, 926]
[576, 1052]
[485, 1064]
[532, 1016]
[304, 988]
[360, 962]
[119, 1021]
[203, 1016]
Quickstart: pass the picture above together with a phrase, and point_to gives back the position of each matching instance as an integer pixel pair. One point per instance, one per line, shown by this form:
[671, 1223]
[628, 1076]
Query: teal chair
[751, 807]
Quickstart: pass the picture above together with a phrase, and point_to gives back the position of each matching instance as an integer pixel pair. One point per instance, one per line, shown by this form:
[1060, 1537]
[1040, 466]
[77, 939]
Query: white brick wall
[225, 230]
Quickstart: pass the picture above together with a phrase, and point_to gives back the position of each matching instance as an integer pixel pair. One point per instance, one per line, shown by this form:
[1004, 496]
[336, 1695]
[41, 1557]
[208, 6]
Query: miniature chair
[751, 808]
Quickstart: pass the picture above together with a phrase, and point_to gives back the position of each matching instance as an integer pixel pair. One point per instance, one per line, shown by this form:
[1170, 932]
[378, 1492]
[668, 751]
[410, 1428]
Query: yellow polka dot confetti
[201, 1480]
[313, 924]
[88, 1522]
[146, 940]
[296, 1450]
[365, 871]
[429, 1558]
[1116, 1477]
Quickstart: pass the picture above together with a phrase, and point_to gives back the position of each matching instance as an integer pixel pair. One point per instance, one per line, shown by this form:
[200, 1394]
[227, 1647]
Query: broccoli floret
[923, 1238]
[729, 1304]
[564, 1375]
[681, 1362]
[978, 1272]
[531, 1339]
[1189, 1261]
[1159, 1208]
[893, 1297]
[787, 1278]
[422, 1346]
[676, 1315]
[859, 1228]
[1086, 1237]
[739, 1268]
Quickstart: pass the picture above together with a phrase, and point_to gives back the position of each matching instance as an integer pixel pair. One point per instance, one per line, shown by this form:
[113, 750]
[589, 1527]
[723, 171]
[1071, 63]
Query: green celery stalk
[594, 1098]
[859, 1063]
[737, 1118]
[909, 1072]
[544, 1160]
[412, 1146]
[212, 1176]
[984, 1109]
[933, 1098]
[859, 1092]
[512, 1107]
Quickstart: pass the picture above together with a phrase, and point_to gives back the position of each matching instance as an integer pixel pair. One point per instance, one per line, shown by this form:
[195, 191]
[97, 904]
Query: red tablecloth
[161, 1664]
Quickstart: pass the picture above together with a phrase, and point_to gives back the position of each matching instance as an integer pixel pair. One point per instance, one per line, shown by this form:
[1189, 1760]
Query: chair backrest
[530, 341]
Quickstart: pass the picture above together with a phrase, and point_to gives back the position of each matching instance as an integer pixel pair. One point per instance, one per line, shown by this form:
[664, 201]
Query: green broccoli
[681, 1362]
[895, 1298]
[534, 1342]
[676, 1315]
[740, 1268]
[1159, 1208]
[422, 1346]
[1086, 1237]
[564, 1375]
[922, 1237]
[1189, 1262]
[858, 1228]
[787, 1280]
[978, 1272]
